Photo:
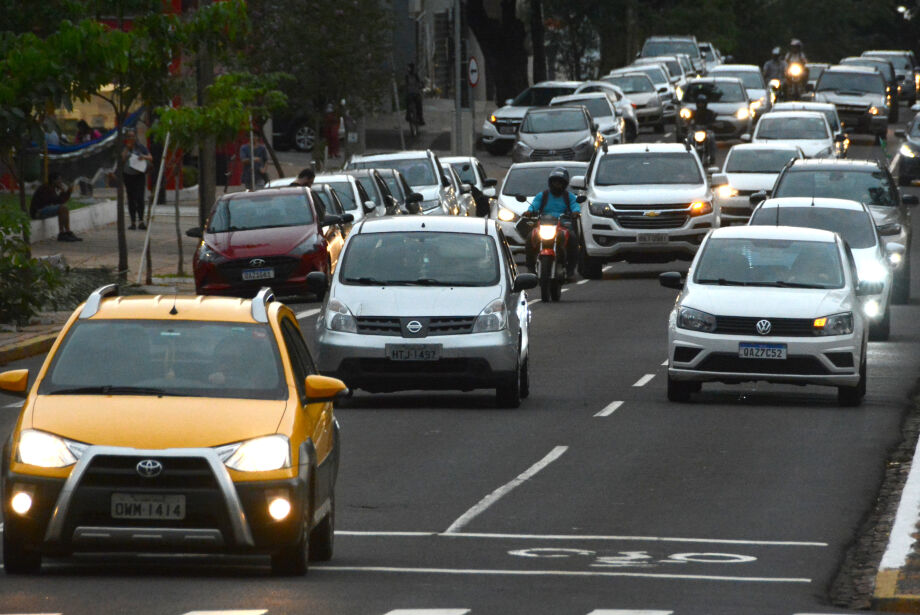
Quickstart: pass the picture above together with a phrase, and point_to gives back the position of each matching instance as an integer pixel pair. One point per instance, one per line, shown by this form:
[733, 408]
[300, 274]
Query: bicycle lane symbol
[632, 559]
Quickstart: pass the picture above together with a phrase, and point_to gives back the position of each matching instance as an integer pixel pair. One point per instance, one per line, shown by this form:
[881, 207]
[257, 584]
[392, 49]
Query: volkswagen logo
[149, 468]
[764, 327]
[653, 214]
[413, 326]
[257, 262]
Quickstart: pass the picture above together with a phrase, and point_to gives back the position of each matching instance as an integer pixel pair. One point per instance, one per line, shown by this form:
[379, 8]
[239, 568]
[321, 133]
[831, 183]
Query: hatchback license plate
[259, 274]
[762, 351]
[413, 352]
[144, 506]
[506, 130]
[652, 238]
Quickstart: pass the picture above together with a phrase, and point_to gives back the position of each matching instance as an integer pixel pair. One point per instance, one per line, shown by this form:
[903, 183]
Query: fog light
[279, 508]
[872, 308]
[21, 503]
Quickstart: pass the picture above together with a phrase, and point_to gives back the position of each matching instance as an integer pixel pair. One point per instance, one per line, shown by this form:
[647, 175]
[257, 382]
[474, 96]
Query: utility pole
[458, 82]
[207, 154]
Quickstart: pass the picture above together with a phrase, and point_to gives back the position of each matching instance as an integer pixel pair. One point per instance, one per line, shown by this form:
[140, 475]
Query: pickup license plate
[506, 130]
[266, 273]
[144, 506]
[652, 238]
[413, 352]
[762, 351]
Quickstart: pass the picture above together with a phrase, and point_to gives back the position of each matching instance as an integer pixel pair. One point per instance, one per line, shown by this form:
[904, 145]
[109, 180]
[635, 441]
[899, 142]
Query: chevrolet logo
[652, 214]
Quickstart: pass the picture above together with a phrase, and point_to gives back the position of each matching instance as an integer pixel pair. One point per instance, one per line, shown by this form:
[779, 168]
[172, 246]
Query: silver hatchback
[427, 303]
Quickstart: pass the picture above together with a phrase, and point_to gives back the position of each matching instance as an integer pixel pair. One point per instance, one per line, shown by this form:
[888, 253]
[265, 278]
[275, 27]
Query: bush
[189, 176]
[26, 283]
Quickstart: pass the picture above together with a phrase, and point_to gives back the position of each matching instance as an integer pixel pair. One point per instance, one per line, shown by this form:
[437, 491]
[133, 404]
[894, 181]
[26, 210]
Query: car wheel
[880, 331]
[853, 396]
[18, 558]
[508, 393]
[293, 560]
[525, 380]
[499, 147]
[304, 136]
[678, 390]
[591, 268]
[323, 536]
[901, 292]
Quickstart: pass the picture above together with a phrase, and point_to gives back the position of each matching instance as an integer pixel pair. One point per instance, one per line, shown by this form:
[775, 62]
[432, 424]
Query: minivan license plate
[413, 352]
[148, 506]
[259, 274]
[762, 351]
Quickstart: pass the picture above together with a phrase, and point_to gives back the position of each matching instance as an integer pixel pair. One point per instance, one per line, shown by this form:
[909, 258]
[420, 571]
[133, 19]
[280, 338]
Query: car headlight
[774, 84]
[207, 254]
[743, 113]
[38, 448]
[700, 208]
[523, 148]
[494, 317]
[339, 318]
[547, 231]
[906, 151]
[506, 215]
[726, 192]
[757, 104]
[695, 320]
[493, 119]
[686, 113]
[600, 209]
[679, 91]
[873, 272]
[837, 324]
[873, 110]
[257, 455]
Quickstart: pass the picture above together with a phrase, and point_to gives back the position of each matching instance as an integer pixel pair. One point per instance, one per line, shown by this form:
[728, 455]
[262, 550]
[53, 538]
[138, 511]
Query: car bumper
[725, 127]
[604, 239]
[290, 279]
[649, 115]
[467, 362]
[863, 123]
[491, 133]
[516, 242]
[734, 210]
[583, 154]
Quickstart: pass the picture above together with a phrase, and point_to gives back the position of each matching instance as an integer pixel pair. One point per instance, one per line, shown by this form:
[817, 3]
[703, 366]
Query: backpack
[568, 202]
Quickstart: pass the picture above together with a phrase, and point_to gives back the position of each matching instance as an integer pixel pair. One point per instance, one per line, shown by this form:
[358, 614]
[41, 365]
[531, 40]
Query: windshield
[465, 171]
[597, 107]
[417, 171]
[673, 65]
[371, 188]
[563, 120]
[167, 357]
[655, 73]
[814, 71]
[829, 113]
[648, 168]
[633, 84]
[856, 227]
[758, 160]
[540, 96]
[715, 92]
[786, 128]
[750, 79]
[915, 127]
[667, 48]
[346, 194]
[532, 180]
[901, 62]
[261, 210]
[421, 258]
[856, 83]
[770, 262]
[885, 68]
[871, 188]
[394, 186]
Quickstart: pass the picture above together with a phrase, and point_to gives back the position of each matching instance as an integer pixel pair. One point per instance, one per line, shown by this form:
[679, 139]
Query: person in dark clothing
[137, 159]
[414, 86]
[50, 200]
[254, 156]
[305, 178]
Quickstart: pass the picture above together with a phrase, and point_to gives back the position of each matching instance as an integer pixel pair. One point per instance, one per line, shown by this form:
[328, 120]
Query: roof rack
[96, 297]
[260, 304]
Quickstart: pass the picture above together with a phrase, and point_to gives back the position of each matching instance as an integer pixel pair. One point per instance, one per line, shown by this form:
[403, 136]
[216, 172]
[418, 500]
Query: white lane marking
[230, 612]
[308, 313]
[580, 282]
[15, 404]
[901, 538]
[628, 612]
[565, 290]
[504, 490]
[664, 363]
[583, 537]
[561, 573]
[610, 409]
[532, 301]
[428, 612]
[644, 380]
[667, 135]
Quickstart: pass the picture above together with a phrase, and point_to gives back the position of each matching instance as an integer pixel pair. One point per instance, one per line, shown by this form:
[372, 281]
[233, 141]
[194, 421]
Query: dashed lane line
[609, 409]
[308, 313]
[664, 363]
[15, 404]
[230, 612]
[644, 380]
[532, 301]
[504, 490]
[628, 612]
[668, 135]
[428, 612]
[580, 282]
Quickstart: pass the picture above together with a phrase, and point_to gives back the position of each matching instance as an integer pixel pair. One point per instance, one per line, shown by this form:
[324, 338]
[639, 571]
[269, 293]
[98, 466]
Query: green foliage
[39, 18]
[26, 283]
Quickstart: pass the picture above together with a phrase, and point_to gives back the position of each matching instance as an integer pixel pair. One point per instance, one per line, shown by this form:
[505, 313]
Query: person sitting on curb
[50, 200]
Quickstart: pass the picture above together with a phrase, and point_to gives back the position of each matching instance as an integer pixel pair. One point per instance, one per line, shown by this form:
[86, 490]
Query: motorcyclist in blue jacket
[557, 201]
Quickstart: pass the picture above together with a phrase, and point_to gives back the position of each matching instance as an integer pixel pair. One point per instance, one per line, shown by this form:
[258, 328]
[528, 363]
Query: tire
[508, 393]
[17, 557]
[881, 331]
[852, 396]
[590, 268]
[525, 380]
[303, 137]
[901, 292]
[545, 274]
[322, 538]
[293, 560]
[679, 391]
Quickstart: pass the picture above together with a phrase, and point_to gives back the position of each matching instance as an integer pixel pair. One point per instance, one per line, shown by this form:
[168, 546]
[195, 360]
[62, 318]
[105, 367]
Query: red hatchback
[265, 238]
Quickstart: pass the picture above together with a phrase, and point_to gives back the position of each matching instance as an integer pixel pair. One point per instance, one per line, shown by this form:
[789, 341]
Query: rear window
[758, 160]
[856, 227]
[869, 187]
[540, 96]
[261, 210]
[785, 128]
[647, 168]
[715, 92]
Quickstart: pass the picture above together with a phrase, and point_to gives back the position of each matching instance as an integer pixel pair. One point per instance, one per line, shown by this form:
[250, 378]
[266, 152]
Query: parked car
[558, 133]
[860, 95]
[385, 204]
[907, 69]
[354, 197]
[466, 204]
[726, 97]
[749, 168]
[499, 131]
[428, 304]
[623, 103]
[760, 95]
[646, 100]
[601, 109]
[807, 130]
[886, 68]
[295, 130]
[422, 170]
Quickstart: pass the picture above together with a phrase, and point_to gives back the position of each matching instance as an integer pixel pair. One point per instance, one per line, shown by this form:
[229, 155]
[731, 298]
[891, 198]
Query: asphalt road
[596, 496]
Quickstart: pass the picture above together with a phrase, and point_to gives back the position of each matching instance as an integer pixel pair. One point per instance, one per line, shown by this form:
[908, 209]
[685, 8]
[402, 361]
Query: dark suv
[867, 181]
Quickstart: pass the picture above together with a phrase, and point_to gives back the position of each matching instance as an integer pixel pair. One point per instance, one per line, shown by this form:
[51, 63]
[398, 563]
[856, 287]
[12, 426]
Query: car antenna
[174, 311]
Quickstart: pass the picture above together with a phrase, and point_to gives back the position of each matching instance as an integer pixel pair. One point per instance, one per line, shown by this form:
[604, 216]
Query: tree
[502, 38]
[571, 31]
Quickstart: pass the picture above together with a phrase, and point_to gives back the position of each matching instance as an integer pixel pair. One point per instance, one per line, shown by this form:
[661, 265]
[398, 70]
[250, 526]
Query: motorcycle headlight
[506, 215]
[795, 70]
[743, 113]
[774, 84]
[836, 324]
[873, 272]
[699, 136]
[695, 320]
[757, 104]
[700, 208]
[686, 113]
[906, 151]
[38, 448]
[873, 110]
[258, 455]
[339, 318]
[494, 317]
[679, 91]
[547, 231]
[726, 192]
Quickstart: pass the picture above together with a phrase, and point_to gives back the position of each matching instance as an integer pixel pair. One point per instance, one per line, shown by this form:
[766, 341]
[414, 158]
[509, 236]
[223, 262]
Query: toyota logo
[149, 468]
[764, 327]
[413, 326]
[257, 262]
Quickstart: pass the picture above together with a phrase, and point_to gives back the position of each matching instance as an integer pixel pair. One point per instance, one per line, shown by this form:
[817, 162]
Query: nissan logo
[413, 326]
[149, 468]
[764, 327]
[257, 262]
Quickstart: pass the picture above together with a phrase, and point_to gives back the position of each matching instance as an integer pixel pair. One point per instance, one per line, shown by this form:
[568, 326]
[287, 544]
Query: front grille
[437, 325]
[378, 325]
[782, 327]
[179, 473]
[284, 266]
[648, 206]
[451, 325]
[730, 363]
[852, 108]
[663, 221]
[553, 154]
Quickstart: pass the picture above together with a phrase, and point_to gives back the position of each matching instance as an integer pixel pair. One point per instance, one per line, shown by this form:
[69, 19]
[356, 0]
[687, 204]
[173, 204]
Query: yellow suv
[173, 424]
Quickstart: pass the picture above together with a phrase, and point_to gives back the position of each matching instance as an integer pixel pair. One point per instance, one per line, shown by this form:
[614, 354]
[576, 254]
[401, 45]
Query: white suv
[646, 203]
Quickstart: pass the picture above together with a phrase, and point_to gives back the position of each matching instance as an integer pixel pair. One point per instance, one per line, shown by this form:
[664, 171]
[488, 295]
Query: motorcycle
[549, 236]
[700, 141]
[796, 78]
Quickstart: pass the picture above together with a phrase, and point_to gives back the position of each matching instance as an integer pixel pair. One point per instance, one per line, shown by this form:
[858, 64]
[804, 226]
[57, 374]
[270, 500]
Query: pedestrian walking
[414, 86]
[254, 158]
[137, 160]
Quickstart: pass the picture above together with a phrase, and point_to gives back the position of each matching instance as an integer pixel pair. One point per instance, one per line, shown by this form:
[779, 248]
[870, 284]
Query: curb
[28, 348]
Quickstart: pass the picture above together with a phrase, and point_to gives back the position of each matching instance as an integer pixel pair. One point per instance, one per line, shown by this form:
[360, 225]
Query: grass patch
[11, 199]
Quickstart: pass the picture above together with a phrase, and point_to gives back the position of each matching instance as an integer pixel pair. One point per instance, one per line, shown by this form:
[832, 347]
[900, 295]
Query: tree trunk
[538, 40]
[502, 43]
[207, 154]
[271, 151]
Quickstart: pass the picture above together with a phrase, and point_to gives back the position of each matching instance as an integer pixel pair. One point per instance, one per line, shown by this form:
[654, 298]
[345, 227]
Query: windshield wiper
[784, 284]
[368, 281]
[110, 389]
[723, 282]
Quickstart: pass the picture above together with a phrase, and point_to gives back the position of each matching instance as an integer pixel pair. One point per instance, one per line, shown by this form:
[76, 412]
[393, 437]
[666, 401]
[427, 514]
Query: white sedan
[807, 130]
[749, 168]
[769, 303]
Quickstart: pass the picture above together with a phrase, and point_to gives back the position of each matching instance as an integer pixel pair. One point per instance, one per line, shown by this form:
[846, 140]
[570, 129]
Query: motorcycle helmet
[701, 100]
[795, 43]
[776, 51]
[559, 173]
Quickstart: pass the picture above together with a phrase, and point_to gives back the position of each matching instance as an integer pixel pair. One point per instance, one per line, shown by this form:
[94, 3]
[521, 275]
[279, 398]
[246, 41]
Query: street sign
[472, 72]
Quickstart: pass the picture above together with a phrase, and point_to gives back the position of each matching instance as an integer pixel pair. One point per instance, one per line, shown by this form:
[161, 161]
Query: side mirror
[525, 281]
[840, 137]
[413, 207]
[712, 170]
[900, 133]
[719, 179]
[370, 207]
[887, 230]
[671, 279]
[415, 197]
[865, 287]
[489, 192]
[746, 137]
[910, 199]
[17, 381]
[195, 232]
[520, 198]
[324, 389]
[348, 218]
[577, 183]
[581, 198]
[317, 282]
[465, 188]
[663, 89]
[757, 198]
[490, 183]
[332, 219]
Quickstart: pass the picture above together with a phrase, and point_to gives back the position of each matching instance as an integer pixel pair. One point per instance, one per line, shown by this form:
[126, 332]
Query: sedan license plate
[506, 130]
[652, 238]
[762, 351]
[144, 506]
[413, 352]
[266, 273]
